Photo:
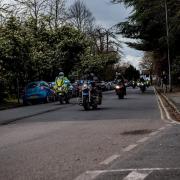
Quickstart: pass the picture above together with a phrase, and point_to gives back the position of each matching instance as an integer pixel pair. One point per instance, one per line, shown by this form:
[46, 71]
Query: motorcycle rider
[95, 84]
[62, 81]
[142, 84]
[120, 79]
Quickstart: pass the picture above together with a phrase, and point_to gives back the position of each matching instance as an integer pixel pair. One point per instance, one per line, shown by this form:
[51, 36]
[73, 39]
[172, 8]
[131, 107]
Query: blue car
[38, 91]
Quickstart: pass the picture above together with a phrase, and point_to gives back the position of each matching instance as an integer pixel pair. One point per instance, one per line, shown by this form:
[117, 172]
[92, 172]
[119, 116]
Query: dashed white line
[153, 133]
[161, 129]
[88, 175]
[110, 159]
[137, 175]
[130, 147]
[143, 140]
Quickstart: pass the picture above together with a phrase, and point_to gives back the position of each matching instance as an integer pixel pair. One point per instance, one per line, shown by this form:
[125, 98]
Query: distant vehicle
[38, 91]
[108, 86]
[103, 85]
[126, 82]
[142, 87]
[120, 90]
[134, 84]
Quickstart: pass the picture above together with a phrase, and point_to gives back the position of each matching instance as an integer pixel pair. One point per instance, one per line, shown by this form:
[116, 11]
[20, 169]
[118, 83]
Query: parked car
[51, 84]
[38, 91]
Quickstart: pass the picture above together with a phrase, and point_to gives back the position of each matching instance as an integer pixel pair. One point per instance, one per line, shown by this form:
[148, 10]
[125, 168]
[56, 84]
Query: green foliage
[33, 46]
[71, 46]
[99, 63]
[147, 24]
[176, 71]
[131, 73]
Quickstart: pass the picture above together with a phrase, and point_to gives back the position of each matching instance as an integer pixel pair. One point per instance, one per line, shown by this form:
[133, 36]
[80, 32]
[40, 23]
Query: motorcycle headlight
[117, 87]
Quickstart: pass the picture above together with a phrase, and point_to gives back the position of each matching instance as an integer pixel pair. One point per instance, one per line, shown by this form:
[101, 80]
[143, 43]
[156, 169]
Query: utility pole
[168, 46]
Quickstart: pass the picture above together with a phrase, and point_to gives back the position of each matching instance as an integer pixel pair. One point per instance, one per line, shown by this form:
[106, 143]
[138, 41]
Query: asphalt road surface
[122, 139]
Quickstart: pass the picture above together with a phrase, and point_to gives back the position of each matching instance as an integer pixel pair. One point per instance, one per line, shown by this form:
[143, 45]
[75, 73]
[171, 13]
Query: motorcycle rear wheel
[60, 100]
[121, 96]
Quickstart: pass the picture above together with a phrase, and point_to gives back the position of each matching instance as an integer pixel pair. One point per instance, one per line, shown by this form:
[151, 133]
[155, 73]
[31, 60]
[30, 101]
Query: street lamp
[168, 46]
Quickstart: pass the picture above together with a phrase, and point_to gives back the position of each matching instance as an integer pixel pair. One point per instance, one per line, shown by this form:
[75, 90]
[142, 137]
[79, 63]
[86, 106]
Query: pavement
[175, 99]
[172, 98]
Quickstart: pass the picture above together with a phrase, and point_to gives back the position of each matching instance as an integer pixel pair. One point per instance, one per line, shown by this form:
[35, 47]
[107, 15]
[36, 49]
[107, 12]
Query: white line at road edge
[137, 175]
[164, 108]
[159, 105]
[110, 159]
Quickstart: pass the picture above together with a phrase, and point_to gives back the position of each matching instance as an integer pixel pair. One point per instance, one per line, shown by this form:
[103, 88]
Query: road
[122, 139]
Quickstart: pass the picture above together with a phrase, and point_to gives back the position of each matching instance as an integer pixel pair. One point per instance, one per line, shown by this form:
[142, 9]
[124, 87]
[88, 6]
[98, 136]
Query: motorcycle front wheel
[60, 100]
[86, 104]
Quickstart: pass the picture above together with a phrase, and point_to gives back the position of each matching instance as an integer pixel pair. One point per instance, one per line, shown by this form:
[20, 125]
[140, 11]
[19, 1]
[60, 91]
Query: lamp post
[168, 46]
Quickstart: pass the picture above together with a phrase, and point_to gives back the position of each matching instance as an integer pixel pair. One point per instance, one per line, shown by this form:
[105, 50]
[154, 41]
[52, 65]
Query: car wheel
[47, 99]
[25, 103]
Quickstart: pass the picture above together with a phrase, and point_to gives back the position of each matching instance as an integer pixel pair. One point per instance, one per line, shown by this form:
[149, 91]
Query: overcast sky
[107, 15]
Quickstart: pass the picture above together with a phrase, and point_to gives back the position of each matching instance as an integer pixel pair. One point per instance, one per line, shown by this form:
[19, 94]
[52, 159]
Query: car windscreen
[32, 85]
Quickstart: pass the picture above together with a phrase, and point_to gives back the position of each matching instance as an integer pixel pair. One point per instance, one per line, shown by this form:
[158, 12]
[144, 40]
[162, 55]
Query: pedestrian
[164, 81]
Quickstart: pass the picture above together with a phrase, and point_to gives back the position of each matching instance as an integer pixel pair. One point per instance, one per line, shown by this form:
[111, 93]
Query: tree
[57, 13]
[70, 47]
[147, 62]
[131, 73]
[80, 16]
[34, 9]
[104, 40]
[147, 24]
[14, 52]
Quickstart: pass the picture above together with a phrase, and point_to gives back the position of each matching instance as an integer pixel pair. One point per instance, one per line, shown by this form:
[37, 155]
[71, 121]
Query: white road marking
[153, 133]
[135, 175]
[169, 125]
[143, 139]
[170, 120]
[129, 148]
[161, 129]
[159, 105]
[88, 175]
[164, 108]
[110, 159]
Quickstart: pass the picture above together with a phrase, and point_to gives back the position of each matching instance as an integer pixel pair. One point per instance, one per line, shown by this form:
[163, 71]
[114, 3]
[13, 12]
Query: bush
[2, 90]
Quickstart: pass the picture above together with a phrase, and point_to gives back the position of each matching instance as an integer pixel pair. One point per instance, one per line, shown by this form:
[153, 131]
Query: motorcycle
[88, 98]
[63, 95]
[142, 87]
[134, 84]
[120, 90]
